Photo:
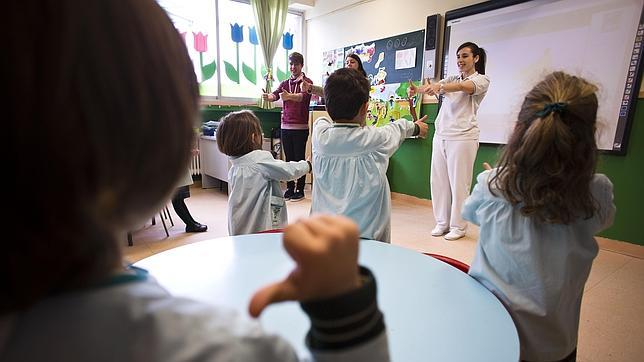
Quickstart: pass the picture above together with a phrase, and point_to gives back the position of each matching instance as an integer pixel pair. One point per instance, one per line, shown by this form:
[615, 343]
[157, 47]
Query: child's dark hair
[239, 133]
[549, 161]
[345, 91]
[480, 65]
[296, 58]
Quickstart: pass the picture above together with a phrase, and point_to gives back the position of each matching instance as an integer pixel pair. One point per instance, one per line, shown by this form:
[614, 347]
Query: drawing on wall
[332, 60]
[390, 63]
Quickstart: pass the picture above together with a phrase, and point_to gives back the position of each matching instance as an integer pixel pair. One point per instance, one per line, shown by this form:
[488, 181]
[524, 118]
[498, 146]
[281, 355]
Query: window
[196, 21]
[228, 59]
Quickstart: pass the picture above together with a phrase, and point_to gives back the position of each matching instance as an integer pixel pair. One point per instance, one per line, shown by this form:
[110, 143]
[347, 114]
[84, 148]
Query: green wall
[409, 174]
[270, 118]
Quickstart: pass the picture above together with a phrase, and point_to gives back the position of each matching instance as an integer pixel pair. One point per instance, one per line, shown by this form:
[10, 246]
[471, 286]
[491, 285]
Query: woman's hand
[306, 86]
[325, 250]
[268, 96]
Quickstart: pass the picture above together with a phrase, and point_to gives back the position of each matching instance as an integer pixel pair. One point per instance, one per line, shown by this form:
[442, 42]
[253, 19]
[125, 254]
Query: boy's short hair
[345, 91]
[235, 133]
[296, 58]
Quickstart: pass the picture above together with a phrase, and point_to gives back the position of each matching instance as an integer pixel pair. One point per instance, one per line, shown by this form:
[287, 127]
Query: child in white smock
[538, 212]
[350, 159]
[125, 106]
[255, 201]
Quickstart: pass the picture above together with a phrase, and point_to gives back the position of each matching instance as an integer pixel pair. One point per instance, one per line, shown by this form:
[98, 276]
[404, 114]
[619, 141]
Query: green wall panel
[268, 118]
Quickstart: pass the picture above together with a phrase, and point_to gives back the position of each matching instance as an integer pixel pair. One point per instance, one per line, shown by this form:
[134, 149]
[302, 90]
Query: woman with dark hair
[456, 139]
[353, 61]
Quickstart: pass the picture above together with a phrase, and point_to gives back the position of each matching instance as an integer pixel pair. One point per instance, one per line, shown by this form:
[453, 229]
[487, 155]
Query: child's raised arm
[284, 171]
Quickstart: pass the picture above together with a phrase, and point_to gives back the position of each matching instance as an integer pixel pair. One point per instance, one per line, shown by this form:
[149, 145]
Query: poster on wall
[390, 63]
[331, 60]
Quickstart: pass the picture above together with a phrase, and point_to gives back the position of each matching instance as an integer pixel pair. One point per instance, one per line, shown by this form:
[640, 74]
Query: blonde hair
[549, 161]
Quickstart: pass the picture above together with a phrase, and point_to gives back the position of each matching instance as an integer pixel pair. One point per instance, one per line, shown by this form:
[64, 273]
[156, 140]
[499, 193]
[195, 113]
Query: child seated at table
[350, 159]
[255, 201]
[538, 212]
[114, 135]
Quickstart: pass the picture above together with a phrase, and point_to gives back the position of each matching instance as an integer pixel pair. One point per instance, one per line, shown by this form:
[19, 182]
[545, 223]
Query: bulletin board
[390, 63]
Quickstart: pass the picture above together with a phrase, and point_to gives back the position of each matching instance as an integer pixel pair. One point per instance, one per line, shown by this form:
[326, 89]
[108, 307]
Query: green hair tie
[558, 107]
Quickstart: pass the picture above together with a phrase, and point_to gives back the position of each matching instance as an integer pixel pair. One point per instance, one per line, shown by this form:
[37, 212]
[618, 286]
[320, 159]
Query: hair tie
[559, 107]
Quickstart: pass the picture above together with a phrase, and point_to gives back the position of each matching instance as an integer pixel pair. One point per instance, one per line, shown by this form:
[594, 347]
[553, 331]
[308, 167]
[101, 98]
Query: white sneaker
[439, 230]
[454, 234]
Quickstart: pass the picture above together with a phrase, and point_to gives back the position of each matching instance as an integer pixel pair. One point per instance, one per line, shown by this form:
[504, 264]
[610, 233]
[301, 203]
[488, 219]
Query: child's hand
[325, 250]
[308, 160]
[412, 90]
[423, 127]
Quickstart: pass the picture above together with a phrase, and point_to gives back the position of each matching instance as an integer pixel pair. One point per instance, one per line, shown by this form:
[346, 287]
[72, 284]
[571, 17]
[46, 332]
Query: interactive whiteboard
[599, 40]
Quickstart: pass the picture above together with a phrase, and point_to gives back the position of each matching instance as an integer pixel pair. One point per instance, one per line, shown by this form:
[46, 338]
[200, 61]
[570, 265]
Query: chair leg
[129, 239]
[169, 216]
[167, 234]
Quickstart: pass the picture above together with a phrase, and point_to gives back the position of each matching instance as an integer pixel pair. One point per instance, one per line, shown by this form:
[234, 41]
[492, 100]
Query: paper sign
[405, 58]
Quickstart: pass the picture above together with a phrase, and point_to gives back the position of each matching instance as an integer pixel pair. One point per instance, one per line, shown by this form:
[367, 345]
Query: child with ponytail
[538, 212]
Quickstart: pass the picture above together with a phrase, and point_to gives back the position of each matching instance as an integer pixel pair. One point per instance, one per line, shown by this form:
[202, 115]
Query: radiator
[195, 164]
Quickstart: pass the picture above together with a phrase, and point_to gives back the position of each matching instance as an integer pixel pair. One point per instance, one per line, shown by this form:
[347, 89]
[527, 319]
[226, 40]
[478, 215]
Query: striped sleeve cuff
[346, 320]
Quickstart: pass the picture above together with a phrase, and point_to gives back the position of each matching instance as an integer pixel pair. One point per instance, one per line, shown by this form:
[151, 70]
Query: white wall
[334, 24]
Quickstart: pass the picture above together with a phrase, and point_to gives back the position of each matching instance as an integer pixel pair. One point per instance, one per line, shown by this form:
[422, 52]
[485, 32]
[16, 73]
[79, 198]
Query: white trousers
[450, 180]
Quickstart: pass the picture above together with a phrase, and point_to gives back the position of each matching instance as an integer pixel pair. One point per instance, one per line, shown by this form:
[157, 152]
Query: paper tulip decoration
[201, 46]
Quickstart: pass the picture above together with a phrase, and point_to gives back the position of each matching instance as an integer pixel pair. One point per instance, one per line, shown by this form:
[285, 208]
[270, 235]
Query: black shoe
[297, 196]
[288, 194]
[196, 228]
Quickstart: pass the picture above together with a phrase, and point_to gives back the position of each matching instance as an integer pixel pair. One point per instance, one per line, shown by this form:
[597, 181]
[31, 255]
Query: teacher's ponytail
[480, 65]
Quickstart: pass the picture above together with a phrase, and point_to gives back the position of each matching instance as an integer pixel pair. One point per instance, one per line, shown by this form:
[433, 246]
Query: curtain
[270, 17]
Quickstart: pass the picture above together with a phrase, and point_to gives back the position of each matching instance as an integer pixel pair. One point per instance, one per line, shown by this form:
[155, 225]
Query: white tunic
[456, 119]
[140, 321]
[255, 201]
[537, 270]
[350, 169]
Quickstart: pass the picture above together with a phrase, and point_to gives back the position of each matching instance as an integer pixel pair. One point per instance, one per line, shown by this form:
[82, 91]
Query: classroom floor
[612, 314]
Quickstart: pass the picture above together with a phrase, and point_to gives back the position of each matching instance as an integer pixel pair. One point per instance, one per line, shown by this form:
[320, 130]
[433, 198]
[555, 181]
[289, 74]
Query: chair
[163, 214]
[453, 262]
[271, 231]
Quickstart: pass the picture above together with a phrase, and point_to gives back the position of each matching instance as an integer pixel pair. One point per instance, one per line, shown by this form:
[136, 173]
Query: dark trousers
[180, 207]
[294, 146]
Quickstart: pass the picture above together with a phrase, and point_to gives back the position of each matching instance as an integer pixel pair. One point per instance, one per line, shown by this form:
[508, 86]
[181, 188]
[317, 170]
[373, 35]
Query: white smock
[537, 270]
[141, 321]
[350, 169]
[255, 201]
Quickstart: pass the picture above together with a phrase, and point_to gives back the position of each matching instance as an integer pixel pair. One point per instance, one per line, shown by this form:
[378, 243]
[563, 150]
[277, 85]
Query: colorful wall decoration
[390, 63]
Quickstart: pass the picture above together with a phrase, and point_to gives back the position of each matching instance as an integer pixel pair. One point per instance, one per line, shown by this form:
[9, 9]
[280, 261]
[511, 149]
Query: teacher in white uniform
[456, 139]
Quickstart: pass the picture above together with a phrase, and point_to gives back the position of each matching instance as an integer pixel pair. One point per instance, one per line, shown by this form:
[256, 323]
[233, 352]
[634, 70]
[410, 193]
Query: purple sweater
[295, 115]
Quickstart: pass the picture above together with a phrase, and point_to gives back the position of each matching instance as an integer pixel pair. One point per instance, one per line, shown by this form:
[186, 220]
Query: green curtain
[270, 17]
